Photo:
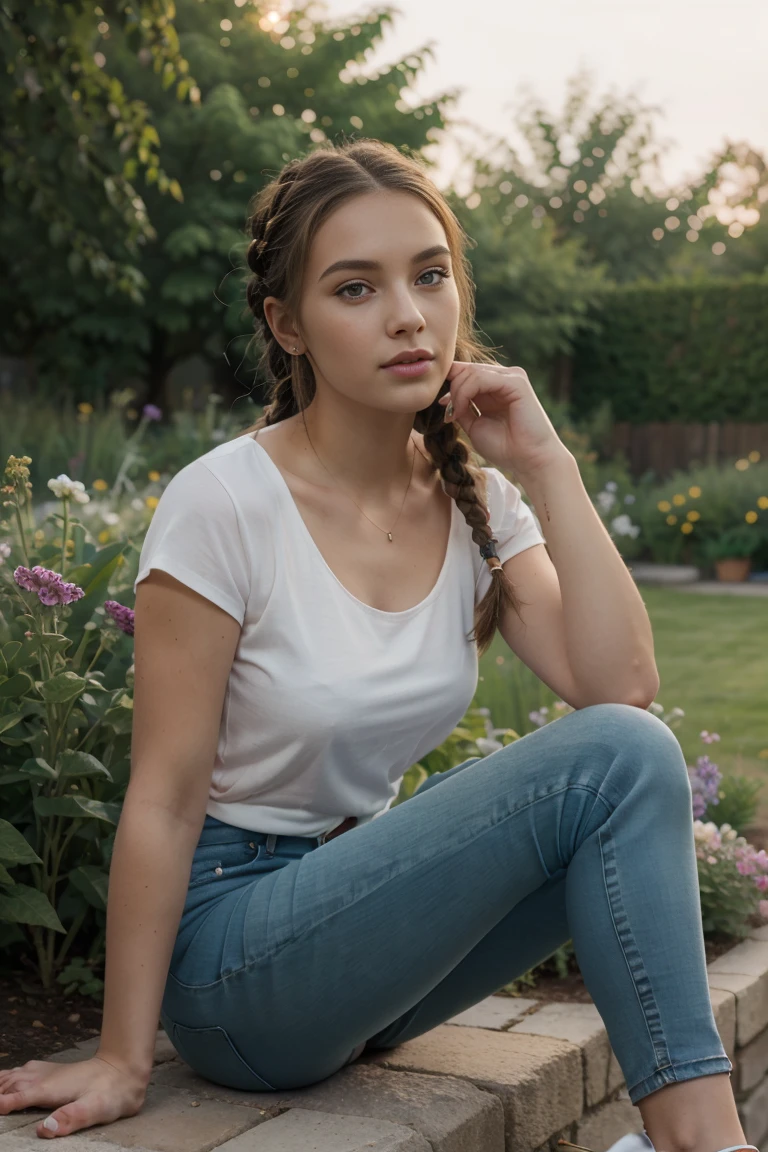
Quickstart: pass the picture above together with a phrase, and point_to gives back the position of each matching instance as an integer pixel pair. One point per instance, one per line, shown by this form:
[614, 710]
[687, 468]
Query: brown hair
[286, 214]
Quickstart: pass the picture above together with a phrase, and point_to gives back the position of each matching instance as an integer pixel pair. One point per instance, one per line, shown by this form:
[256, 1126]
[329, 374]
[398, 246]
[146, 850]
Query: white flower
[67, 489]
[137, 504]
[630, 499]
[656, 708]
[623, 526]
[606, 500]
[111, 518]
[5, 551]
[611, 485]
[487, 746]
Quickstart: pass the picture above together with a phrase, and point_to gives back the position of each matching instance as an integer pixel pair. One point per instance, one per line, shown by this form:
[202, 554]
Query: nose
[404, 315]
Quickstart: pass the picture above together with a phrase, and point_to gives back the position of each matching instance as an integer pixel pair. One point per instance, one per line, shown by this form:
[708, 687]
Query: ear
[282, 326]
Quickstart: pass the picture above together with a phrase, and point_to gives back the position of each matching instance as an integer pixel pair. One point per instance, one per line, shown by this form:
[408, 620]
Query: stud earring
[295, 348]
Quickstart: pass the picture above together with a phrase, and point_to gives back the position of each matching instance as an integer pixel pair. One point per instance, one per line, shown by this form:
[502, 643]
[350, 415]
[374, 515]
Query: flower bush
[65, 727]
[696, 516]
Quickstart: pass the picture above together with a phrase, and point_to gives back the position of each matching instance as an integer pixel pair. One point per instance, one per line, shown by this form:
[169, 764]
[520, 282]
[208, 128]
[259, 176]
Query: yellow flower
[695, 491]
[154, 474]
[664, 506]
[693, 516]
[152, 501]
[762, 501]
[754, 457]
[750, 517]
[103, 536]
[742, 465]
[678, 498]
[686, 528]
[671, 519]
[85, 408]
[100, 485]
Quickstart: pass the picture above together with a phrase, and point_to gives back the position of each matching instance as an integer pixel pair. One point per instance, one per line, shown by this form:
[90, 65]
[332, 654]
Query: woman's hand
[513, 430]
[79, 1095]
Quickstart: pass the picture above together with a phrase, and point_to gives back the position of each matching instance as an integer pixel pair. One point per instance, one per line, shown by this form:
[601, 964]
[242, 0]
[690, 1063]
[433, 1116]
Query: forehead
[390, 227]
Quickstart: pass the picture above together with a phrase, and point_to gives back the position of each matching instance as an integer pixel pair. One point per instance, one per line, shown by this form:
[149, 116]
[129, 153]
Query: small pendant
[389, 534]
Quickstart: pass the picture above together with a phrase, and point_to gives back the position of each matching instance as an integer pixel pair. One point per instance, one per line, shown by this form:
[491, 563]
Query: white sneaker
[636, 1142]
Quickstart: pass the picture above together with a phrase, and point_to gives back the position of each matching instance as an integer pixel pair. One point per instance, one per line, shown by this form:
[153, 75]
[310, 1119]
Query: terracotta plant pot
[733, 568]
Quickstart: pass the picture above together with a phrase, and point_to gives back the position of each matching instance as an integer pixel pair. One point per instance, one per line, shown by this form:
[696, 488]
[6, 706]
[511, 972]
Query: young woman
[311, 601]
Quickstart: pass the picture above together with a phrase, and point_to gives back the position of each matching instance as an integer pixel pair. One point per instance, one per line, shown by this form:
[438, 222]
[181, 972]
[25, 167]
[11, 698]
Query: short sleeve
[514, 525]
[194, 535]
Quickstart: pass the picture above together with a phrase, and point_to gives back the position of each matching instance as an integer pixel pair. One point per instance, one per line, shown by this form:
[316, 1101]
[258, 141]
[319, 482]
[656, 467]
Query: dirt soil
[34, 1024]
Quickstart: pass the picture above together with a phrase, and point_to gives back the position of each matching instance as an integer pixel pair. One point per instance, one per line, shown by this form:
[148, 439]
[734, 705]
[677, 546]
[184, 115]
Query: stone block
[27, 1140]
[759, 933]
[724, 1011]
[451, 1114]
[749, 958]
[579, 1024]
[751, 994]
[538, 1080]
[495, 1012]
[605, 1125]
[300, 1131]
[751, 1064]
[172, 1121]
[753, 1114]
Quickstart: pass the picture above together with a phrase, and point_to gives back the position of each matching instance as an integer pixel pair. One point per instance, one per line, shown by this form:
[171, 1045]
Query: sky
[703, 64]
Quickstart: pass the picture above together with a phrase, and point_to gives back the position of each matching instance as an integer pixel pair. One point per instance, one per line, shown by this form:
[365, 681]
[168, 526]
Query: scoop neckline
[382, 612]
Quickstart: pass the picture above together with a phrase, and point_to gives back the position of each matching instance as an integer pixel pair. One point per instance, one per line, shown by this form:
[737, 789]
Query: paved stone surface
[300, 1131]
[749, 958]
[753, 1114]
[579, 1024]
[724, 1009]
[26, 1140]
[538, 1080]
[451, 1114]
[605, 1125]
[751, 994]
[172, 1121]
[495, 1012]
[752, 1064]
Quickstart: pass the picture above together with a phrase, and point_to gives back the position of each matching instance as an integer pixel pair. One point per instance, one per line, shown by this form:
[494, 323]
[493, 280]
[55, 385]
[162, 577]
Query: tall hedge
[677, 350]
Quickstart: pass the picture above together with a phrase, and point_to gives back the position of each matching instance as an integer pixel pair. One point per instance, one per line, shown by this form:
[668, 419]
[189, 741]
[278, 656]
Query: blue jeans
[291, 955]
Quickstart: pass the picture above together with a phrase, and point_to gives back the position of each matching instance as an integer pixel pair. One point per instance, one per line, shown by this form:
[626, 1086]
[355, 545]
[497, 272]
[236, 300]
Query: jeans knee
[653, 744]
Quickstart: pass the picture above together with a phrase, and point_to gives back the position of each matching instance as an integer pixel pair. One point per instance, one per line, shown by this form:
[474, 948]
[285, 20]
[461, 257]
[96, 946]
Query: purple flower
[121, 615]
[705, 783]
[151, 412]
[50, 587]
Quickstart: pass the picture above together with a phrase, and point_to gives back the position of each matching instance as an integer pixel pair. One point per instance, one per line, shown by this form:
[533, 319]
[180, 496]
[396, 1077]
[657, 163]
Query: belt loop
[270, 843]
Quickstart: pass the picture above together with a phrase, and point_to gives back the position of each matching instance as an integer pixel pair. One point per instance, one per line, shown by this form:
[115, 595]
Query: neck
[368, 453]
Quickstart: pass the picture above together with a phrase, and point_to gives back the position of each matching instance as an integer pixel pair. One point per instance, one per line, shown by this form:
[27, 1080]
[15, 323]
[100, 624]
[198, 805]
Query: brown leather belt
[345, 825]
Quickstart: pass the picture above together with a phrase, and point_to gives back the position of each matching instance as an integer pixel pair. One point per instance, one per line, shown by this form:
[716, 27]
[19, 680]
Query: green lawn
[712, 656]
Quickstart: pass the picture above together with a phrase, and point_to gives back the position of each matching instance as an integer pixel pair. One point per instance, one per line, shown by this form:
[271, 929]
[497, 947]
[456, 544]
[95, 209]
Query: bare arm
[184, 648]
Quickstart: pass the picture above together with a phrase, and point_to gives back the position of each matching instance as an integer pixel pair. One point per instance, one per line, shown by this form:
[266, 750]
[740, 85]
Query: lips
[410, 356]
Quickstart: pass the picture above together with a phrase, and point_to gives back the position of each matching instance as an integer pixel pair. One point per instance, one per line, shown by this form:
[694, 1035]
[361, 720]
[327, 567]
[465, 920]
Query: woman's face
[379, 282]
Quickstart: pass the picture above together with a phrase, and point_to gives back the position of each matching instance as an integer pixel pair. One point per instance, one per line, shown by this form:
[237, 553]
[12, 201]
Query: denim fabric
[291, 955]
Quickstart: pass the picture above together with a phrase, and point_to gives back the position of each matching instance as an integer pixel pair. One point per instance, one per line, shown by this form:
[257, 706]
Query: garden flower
[709, 737]
[705, 783]
[623, 526]
[66, 489]
[121, 615]
[51, 589]
[629, 498]
[151, 412]
[605, 500]
[540, 717]
[5, 551]
[611, 485]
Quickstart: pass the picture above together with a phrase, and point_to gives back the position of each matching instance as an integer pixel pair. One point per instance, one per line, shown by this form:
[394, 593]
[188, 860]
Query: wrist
[557, 464]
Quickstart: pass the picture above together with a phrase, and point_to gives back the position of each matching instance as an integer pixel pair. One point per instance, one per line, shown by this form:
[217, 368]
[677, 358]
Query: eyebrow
[374, 265]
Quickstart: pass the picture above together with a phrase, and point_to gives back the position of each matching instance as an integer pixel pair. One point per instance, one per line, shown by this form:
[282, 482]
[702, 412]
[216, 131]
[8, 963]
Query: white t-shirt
[329, 701]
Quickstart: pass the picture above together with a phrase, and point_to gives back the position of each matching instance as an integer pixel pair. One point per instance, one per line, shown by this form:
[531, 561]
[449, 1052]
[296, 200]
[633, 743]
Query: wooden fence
[665, 447]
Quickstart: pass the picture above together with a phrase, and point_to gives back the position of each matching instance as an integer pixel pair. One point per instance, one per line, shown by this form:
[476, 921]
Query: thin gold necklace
[413, 461]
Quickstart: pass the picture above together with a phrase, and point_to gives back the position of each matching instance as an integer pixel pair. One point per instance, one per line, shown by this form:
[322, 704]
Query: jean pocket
[219, 861]
[210, 1052]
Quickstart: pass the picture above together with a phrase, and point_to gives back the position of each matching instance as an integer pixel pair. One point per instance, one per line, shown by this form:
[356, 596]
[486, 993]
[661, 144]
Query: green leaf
[37, 768]
[5, 876]
[81, 764]
[51, 642]
[121, 715]
[59, 689]
[17, 685]
[78, 806]
[92, 882]
[10, 720]
[15, 848]
[10, 652]
[26, 905]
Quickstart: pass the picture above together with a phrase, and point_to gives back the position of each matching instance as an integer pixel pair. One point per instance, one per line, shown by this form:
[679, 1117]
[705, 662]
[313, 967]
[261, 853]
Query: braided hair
[285, 215]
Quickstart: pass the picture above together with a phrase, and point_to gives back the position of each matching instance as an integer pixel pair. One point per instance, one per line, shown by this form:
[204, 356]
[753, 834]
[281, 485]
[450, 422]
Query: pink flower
[50, 587]
[121, 615]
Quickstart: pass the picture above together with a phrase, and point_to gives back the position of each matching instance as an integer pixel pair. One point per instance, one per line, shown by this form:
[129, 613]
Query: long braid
[286, 213]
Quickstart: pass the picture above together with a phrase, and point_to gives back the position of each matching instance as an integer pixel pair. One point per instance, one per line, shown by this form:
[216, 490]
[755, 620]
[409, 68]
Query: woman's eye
[353, 291]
